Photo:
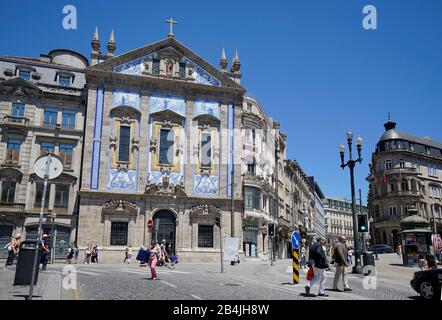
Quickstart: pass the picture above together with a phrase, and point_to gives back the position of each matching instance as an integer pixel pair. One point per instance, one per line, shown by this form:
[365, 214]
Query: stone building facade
[405, 172]
[339, 219]
[42, 108]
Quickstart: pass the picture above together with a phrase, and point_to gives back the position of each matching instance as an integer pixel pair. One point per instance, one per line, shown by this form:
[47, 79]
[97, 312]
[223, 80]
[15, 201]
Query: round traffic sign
[55, 167]
[296, 239]
[150, 224]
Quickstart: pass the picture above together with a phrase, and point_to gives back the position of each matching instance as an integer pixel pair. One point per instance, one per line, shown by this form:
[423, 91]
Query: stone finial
[111, 46]
[223, 62]
[236, 62]
[95, 43]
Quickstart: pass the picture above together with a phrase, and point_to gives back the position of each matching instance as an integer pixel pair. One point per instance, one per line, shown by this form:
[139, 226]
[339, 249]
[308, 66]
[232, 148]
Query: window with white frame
[388, 164]
[402, 163]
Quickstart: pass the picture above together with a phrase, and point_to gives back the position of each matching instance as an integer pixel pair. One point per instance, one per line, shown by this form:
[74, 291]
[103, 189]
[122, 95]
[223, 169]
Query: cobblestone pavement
[248, 280]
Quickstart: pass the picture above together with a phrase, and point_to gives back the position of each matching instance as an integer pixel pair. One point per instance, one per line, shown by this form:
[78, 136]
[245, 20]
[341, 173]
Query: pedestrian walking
[303, 257]
[154, 255]
[399, 249]
[350, 255]
[317, 261]
[44, 258]
[94, 255]
[340, 256]
[70, 254]
[12, 248]
[128, 254]
[87, 254]
[76, 254]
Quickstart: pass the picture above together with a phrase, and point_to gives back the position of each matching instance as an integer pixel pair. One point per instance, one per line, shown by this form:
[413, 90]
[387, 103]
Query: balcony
[12, 206]
[17, 122]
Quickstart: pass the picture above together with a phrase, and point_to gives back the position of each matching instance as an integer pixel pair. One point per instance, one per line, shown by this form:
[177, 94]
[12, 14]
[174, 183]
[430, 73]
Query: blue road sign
[296, 240]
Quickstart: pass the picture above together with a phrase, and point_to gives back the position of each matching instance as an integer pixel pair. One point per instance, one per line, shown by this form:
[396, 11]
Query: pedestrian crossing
[96, 270]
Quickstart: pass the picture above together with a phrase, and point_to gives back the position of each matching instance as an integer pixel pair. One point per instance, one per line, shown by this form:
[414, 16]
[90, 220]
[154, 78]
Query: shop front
[250, 239]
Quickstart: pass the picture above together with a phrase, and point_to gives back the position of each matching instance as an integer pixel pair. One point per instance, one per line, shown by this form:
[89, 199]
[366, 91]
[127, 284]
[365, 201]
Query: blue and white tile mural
[201, 75]
[175, 104]
[122, 98]
[135, 67]
[205, 185]
[175, 178]
[123, 180]
[207, 107]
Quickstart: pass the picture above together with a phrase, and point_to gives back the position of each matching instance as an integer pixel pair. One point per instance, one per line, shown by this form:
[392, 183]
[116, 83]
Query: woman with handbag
[154, 255]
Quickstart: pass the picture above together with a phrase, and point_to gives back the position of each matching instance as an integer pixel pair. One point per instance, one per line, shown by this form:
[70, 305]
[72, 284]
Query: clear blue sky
[310, 63]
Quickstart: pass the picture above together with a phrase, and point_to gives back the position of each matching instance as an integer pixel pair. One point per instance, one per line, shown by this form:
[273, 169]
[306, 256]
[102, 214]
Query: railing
[16, 121]
[12, 205]
[60, 210]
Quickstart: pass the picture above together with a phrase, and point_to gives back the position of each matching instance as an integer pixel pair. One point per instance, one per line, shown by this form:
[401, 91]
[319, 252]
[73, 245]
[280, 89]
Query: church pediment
[19, 87]
[167, 59]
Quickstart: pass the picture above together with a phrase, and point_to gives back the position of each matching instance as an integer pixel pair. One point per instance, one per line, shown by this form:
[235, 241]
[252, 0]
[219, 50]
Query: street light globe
[341, 148]
[359, 141]
[371, 220]
[53, 215]
[349, 136]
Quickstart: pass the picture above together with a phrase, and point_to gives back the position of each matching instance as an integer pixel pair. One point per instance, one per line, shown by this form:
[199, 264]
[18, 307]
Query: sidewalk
[48, 287]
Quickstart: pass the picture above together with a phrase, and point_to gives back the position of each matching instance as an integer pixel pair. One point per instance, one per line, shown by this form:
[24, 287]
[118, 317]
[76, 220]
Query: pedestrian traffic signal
[218, 222]
[362, 223]
[271, 230]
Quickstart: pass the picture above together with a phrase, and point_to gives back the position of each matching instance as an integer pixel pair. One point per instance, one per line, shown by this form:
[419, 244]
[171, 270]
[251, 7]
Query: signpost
[296, 241]
[46, 167]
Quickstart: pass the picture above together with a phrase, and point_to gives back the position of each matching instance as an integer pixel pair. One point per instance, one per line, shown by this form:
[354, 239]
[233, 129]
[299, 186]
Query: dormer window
[64, 81]
[25, 74]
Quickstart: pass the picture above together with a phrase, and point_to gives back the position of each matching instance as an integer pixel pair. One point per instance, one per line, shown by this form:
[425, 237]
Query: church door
[164, 226]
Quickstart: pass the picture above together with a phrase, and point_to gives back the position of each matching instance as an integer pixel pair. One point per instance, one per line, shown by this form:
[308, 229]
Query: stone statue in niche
[169, 68]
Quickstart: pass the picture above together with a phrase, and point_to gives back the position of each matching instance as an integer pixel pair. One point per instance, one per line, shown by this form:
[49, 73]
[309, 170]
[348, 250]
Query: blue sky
[310, 63]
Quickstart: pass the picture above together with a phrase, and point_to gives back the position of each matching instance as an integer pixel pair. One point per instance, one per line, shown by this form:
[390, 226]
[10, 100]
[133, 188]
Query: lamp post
[374, 238]
[53, 216]
[351, 165]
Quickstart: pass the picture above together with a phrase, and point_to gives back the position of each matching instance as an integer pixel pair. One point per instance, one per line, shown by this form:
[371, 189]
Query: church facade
[169, 139]
[160, 145]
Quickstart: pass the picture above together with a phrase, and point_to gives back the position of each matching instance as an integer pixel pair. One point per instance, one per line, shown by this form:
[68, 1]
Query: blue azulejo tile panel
[207, 107]
[95, 171]
[123, 98]
[201, 75]
[175, 104]
[124, 180]
[156, 176]
[136, 66]
[205, 185]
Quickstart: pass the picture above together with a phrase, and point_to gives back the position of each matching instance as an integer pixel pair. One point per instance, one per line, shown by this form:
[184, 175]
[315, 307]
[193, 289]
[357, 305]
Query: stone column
[143, 150]
[189, 131]
[224, 151]
[131, 231]
[106, 232]
[104, 166]
[89, 138]
[194, 235]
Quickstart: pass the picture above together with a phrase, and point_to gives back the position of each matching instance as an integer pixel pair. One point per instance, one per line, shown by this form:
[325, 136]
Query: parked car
[381, 248]
[428, 283]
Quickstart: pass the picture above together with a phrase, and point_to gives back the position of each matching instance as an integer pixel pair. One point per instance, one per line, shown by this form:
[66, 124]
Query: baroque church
[156, 144]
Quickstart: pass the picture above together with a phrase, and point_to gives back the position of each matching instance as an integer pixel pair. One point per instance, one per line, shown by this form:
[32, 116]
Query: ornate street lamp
[351, 165]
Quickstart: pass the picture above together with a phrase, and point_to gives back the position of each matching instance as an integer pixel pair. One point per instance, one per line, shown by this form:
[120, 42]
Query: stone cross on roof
[171, 22]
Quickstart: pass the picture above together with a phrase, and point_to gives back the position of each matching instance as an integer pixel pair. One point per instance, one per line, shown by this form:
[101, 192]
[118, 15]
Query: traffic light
[218, 222]
[271, 230]
[362, 223]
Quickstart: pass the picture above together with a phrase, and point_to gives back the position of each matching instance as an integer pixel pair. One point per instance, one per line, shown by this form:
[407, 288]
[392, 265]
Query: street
[246, 281]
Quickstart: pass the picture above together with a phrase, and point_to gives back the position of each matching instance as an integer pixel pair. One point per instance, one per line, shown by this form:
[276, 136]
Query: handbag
[310, 274]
